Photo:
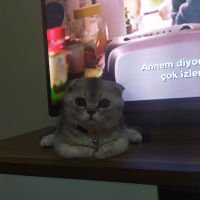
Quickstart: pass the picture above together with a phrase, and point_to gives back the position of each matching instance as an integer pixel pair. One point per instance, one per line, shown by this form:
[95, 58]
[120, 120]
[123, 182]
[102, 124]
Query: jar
[57, 62]
[92, 30]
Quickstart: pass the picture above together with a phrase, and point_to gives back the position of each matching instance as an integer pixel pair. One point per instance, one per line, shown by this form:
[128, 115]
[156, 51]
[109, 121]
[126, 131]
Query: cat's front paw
[135, 136]
[103, 153]
[47, 141]
[112, 148]
[100, 155]
[70, 151]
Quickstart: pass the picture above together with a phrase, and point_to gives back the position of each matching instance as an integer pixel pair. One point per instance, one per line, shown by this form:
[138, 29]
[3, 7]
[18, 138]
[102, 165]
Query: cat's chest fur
[93, 138]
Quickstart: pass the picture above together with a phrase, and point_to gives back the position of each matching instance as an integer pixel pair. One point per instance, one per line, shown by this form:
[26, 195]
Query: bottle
[58, 65]
[75, 58]
[113, 14]
[92, 30]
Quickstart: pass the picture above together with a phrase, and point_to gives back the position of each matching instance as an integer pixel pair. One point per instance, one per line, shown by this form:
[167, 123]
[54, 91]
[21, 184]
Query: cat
[91, 122]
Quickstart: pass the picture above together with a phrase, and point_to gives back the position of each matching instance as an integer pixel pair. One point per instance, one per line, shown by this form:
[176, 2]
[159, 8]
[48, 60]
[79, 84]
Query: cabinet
[170, 160]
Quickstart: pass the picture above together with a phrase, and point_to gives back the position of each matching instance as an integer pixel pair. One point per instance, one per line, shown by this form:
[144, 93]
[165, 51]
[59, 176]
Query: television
[152, 49]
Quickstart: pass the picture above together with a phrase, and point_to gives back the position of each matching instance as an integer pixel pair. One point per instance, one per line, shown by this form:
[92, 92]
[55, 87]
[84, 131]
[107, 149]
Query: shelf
[171, 157]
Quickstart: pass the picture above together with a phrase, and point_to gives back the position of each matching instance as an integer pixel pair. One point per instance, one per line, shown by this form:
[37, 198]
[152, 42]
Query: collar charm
[90, 131]
[95, 141]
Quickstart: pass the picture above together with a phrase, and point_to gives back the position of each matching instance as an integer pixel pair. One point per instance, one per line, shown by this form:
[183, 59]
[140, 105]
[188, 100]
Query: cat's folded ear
[71, 84]
[119, 88]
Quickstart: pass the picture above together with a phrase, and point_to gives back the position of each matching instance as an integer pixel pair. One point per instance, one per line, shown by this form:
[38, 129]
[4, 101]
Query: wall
[23, 95]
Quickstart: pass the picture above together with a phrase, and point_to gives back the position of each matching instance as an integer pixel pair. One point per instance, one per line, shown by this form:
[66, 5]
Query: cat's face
[93, 103]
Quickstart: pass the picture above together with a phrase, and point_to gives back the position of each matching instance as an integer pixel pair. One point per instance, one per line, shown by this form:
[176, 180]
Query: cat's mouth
[90, 119]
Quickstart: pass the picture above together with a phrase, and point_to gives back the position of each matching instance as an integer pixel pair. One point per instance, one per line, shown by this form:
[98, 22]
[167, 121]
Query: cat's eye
[80, 102]
[104, 103]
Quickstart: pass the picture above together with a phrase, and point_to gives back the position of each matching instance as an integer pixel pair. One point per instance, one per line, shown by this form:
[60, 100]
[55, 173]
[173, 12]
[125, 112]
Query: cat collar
[89, 131]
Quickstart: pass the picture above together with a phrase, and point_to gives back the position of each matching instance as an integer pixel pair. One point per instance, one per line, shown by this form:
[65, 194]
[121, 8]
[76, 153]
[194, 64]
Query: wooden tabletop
[171, 157]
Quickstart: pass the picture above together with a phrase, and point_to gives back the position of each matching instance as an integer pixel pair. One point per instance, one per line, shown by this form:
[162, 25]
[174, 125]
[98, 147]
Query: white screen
[160, 72]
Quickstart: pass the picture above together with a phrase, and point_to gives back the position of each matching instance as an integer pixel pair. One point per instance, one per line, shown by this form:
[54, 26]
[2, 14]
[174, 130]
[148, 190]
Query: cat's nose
[90, 112]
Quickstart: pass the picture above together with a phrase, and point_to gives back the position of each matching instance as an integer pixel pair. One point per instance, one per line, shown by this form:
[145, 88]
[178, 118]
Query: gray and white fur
[91, 122]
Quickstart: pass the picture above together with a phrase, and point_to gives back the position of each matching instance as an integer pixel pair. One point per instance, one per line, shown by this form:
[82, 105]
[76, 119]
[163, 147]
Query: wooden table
[170, 158]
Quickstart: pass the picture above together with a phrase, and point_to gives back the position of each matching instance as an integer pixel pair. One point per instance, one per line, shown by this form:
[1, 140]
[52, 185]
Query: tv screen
[150, 47]
[164, 64]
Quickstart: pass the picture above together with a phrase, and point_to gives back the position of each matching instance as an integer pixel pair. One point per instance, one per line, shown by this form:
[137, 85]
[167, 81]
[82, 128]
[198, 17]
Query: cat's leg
[113, 148]
[134, 135]
[47, 141]
[70, 151]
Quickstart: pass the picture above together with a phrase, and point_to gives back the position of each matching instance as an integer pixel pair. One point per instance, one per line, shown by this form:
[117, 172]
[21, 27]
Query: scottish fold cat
[90, 123]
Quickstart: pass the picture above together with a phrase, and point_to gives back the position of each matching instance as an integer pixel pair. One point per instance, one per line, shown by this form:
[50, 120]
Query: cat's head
[93, 103]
